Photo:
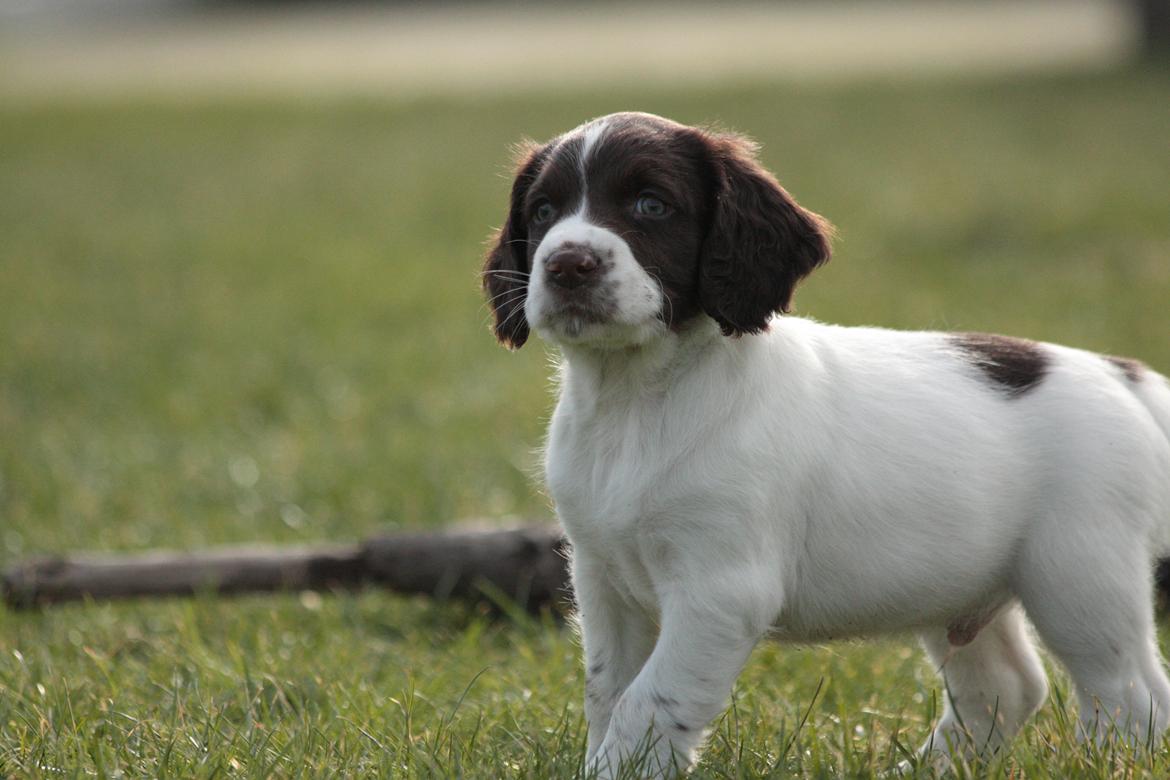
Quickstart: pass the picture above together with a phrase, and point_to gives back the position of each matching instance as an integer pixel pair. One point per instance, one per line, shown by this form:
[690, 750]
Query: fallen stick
[526, 566]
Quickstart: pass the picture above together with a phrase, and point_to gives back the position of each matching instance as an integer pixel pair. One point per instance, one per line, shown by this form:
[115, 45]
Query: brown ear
[760, 243]
[505, 268]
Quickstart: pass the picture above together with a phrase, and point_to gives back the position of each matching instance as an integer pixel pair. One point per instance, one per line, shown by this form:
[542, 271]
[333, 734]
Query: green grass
[260, 321]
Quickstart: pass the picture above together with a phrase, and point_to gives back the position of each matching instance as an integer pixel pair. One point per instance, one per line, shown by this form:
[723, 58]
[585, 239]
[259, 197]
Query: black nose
[571, 267]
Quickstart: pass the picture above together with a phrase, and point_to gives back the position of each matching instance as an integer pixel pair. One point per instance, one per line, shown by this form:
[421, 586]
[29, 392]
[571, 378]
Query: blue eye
[543, 213]
[650, 206]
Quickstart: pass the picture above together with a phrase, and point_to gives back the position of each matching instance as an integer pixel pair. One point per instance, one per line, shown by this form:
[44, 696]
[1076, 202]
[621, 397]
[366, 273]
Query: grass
[244, 321]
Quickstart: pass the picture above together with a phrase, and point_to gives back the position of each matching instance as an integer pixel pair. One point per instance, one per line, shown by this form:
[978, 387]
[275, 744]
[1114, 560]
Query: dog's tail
[1153, 390]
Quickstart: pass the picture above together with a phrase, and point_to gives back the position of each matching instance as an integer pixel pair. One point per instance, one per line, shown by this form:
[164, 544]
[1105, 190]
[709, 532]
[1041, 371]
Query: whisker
[515, 325]
[650, 271]
[508, 296]
[504, 271]
[518, 291]
[505, 298]
[517, 275]
[509, 280]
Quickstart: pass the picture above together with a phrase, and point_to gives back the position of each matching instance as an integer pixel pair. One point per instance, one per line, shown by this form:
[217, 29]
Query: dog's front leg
[660, 719]
[617, 639]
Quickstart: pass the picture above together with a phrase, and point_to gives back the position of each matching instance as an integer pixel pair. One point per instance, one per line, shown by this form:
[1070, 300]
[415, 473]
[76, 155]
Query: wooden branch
[525, 565]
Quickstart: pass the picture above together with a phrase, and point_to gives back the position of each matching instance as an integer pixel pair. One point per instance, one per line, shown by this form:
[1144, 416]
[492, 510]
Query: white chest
[614, 490]
[636, 456]
[601, 472]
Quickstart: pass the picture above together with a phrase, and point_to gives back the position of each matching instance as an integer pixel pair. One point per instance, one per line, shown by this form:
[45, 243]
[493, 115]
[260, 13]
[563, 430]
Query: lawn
[260, 321]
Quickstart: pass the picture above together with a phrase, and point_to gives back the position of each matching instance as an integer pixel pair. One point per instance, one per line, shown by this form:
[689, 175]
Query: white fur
[816, 482]
[591, 133]
[634, 296]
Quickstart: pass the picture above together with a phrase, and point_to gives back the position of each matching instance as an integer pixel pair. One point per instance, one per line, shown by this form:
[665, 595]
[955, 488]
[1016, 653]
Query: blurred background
[396, 49]
[240, 239]
[239, 254]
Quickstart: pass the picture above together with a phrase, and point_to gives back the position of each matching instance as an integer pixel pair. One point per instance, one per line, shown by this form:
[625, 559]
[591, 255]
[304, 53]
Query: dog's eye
[648, 205]
[544, 212]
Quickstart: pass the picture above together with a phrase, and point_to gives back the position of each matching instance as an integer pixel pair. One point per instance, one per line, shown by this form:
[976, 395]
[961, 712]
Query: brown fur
[733, 244]
[1133, 369]
[1015, 365]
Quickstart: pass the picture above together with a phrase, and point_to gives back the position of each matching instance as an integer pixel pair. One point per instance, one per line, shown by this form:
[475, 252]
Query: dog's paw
[628, 758]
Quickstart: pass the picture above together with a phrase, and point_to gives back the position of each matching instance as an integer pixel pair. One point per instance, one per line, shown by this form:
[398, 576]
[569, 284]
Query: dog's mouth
[581, 315]
[594, 304]
[573, 317]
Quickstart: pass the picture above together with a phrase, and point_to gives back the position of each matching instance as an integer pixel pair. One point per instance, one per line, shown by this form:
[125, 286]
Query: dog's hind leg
[993, 682]
[1096, 616]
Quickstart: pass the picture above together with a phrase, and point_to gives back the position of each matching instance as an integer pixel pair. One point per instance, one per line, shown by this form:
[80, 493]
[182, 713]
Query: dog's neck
[646, 371]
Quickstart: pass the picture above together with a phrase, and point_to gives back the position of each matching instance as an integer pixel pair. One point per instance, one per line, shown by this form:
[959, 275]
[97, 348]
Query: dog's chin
[574, 326]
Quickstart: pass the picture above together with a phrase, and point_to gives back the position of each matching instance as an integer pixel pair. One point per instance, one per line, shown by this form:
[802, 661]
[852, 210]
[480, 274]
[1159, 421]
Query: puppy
[724, 473]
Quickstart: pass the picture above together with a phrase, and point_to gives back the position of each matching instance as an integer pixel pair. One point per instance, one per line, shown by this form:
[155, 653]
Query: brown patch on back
[1016, 365]
[1133, 369]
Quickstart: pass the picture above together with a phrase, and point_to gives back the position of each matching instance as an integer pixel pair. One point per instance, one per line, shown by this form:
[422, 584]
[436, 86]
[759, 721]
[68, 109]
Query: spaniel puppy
[725, 473]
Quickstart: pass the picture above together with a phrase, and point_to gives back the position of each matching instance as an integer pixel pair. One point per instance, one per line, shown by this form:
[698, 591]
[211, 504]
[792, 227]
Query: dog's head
[632, 225]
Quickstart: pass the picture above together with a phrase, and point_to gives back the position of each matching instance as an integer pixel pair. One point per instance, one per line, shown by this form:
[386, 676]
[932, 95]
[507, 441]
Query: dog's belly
[874, 589]
[811, 620]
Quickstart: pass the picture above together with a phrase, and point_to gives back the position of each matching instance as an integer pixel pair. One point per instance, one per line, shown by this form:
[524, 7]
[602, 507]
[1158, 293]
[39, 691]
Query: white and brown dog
[726, 474]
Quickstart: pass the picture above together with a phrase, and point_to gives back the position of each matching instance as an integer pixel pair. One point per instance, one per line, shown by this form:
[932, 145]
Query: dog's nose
[571, 267]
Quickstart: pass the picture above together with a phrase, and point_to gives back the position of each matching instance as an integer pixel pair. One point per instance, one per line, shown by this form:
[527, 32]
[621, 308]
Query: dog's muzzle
[572, 267]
